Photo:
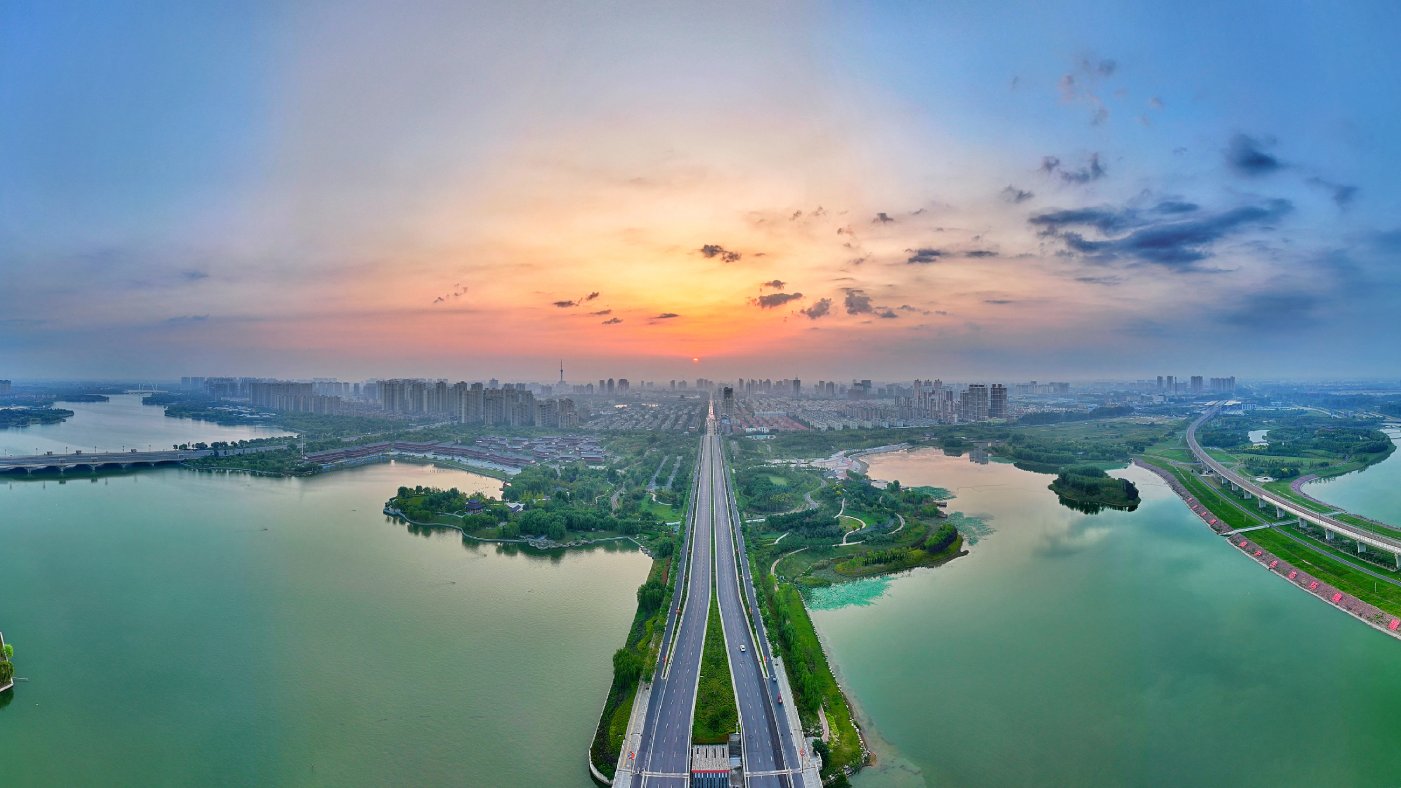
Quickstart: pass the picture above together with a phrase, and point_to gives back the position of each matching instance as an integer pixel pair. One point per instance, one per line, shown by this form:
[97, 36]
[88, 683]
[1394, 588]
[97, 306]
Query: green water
[1374, 492]
[119, 424]
[181, 628]
[1113, 649]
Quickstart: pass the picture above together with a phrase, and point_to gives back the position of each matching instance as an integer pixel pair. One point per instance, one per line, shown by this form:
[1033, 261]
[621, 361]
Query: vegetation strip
[716, 713]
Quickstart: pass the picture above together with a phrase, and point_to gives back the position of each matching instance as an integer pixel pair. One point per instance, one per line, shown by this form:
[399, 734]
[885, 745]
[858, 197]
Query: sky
[674, 190]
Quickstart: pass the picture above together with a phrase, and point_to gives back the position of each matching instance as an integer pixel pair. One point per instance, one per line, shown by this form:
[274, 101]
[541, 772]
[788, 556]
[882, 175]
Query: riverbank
[539, 543]
[1367, 613]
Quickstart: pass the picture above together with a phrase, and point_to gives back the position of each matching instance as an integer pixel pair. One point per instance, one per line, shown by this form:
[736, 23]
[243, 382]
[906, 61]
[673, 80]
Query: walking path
[774, 566]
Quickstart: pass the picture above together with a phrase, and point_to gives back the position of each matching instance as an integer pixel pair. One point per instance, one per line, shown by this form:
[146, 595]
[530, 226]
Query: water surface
[1374, 492]
[1122, 648]
[120, 424]
[190, 628]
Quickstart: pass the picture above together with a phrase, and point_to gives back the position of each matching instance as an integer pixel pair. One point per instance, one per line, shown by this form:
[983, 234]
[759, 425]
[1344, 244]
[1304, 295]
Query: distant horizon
[1182, 380]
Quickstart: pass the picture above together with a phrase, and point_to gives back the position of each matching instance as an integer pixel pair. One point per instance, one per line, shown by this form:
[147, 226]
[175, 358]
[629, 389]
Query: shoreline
[1368, 614]
[538, 544]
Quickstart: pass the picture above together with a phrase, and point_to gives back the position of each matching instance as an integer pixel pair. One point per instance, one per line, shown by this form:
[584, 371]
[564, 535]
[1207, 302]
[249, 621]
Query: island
[7, 666]
[1088, 488]
[17, 417]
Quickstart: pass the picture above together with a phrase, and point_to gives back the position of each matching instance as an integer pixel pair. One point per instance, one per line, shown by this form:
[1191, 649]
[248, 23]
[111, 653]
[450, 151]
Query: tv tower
[561, 372]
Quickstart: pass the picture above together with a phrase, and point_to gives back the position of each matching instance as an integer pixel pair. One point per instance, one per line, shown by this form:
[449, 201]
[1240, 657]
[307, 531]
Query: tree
[627, 666]
[9, 651]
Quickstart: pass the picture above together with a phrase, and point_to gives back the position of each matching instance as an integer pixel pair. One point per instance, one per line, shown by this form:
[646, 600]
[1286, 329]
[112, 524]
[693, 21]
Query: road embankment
[1367, 613]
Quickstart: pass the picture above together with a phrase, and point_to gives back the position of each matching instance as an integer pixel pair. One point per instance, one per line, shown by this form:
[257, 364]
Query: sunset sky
[882, 190]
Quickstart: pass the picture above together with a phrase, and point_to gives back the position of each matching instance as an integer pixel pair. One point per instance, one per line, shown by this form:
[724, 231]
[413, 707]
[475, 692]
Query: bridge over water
[1285, 506]
[97, 461]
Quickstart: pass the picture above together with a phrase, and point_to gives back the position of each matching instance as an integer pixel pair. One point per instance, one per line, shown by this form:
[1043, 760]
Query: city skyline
[365, 192]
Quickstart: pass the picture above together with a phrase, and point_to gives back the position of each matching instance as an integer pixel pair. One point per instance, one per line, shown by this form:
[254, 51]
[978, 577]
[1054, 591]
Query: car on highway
[741, 648]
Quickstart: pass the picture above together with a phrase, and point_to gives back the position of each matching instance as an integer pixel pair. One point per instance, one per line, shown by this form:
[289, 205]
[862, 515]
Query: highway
[769, 751]
[1356, 533]
[663, 756]
[715, 549]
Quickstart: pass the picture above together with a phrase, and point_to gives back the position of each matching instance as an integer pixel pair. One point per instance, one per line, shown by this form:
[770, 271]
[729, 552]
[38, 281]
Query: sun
[695, 359]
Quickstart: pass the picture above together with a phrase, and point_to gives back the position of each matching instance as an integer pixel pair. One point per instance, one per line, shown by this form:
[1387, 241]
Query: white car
[741, 647]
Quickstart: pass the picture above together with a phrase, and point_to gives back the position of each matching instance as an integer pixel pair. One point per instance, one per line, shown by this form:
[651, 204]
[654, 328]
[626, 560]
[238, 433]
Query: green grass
[1331, 571]
[811, 677]
[643, 639]
[717, 716]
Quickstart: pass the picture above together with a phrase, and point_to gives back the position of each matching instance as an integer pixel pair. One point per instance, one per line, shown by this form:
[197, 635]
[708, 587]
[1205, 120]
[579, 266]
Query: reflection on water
[197, 628]
[1117, 648]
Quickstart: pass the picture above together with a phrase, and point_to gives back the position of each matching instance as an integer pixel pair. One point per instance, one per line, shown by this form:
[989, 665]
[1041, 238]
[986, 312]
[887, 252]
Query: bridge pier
[1278, 512]
[1328, 534]
[1262, 503]
[1361, 548]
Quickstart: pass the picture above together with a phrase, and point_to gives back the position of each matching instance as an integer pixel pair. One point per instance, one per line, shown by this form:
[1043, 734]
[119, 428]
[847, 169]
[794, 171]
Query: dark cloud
[1105, 67]
[998, 301]
[602, 313]
[923, 256]
[886, 313]
[194, 275]
[1108, 220]
[565, 304]
[775, 299]
[857, 302]
[1342, 193]
[881, 218]
[1014, 195]
[458, 290]
[1049, 164]
[665, 316]
[186, 319]
[589, 297]
[1092, 171]
[1176, 243]
[819, 309]
[1246, 155]
[716, 250]
[1105, 219]
[1273, 310]
[775, 284]
[980, 253]
[1175, 206]
[856, 261]
[612, 321]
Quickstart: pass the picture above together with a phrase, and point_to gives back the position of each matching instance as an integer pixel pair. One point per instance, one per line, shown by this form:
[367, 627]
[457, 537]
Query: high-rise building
[1196, 384]
[997, 404]
[6, 388]
[973, 404]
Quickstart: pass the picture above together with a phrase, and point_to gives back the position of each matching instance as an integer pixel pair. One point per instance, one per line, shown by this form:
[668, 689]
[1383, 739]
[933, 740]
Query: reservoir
[1375, 492]
[1122, 648]
[180, 627]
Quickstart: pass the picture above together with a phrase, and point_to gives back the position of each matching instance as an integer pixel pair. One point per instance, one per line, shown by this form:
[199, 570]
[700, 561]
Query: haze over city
[872, 190]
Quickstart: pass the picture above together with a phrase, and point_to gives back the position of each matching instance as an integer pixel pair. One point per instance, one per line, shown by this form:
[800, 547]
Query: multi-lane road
[1284, 505]
[663, 755]
[713, 557]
